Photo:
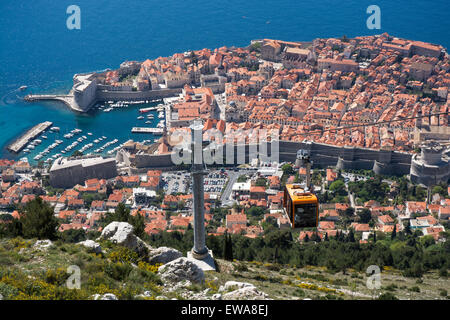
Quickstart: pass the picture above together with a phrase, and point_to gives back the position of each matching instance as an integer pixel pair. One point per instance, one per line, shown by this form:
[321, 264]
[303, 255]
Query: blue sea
[38, 50]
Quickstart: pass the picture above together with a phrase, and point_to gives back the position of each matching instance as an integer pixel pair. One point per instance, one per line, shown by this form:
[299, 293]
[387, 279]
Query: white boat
[89, 133]
[44, 137]
[140, 117]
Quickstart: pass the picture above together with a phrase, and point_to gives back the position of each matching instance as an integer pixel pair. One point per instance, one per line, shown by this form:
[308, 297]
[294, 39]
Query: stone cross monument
[199, 253]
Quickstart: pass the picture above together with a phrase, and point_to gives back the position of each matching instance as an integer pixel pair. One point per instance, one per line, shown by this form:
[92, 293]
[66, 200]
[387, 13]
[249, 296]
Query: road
[232, 178]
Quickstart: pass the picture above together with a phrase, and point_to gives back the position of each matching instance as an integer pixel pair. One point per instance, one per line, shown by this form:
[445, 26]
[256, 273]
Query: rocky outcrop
[122, 233]
[42, 244]
[91, 245]
[181, 269]
[163, 255]
[233, 285]
[240, 291]
[245, 293]
[106, 296]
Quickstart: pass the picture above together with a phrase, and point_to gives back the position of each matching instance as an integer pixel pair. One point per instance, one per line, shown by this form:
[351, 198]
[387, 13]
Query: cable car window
[305, 215]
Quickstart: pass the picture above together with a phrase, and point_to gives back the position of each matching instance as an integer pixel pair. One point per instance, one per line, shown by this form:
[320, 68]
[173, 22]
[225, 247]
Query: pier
[147, 130]
[68, 100]
[20, 143]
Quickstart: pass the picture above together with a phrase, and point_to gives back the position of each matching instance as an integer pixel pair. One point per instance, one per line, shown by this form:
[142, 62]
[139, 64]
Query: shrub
[414, 289]
[123, 255]
[118, 271]
[240, 267]
[56, 277]
[387, 296]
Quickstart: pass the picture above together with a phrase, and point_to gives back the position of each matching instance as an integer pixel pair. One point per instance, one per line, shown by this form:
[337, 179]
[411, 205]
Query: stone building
[66, 172]
[431, 166]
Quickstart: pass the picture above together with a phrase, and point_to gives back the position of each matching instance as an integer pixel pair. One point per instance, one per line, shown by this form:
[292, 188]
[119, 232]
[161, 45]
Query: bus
[302, 208]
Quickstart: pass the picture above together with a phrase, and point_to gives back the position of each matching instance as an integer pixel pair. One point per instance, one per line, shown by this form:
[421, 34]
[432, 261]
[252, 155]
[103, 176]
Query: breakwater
[22, 141]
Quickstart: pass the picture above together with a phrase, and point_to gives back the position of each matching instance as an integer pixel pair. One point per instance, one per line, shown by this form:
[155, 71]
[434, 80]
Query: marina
[88, 134]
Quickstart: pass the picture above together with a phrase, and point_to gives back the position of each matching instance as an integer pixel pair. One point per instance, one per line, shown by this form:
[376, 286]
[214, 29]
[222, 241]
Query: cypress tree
[351, 236]
[228, 247]
[394, 233]
[306, 238]
[408, 228]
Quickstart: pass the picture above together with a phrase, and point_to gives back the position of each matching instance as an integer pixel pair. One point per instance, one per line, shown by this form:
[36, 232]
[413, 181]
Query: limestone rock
[106, 296]
[91, 245]
[146, 294]
[245, 293]
[181, 269]
[163, 255]
[233, 285]
[216, 296]
[122, 233]
[43, 244]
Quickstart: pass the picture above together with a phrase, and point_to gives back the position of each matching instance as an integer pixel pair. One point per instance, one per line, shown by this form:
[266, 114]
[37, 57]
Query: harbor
[31, 134]
[94, 133]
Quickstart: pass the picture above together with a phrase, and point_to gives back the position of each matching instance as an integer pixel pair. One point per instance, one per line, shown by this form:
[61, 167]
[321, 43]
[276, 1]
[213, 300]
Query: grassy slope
[30, 273]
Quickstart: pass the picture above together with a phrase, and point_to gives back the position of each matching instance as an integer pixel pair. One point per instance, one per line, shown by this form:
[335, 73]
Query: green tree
[365, 215]
[351, 236]
[287, 169]
[122, 213]
[73, 235]
[228, 247]
[394, 232]
[38, 220]
[138, 223]
[338, 187]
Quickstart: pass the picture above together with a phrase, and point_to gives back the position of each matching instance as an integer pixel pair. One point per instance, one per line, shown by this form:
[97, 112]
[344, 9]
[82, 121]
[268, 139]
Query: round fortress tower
[431, 166]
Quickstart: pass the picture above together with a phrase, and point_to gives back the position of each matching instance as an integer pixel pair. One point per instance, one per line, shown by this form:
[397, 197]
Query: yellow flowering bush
[312, 286]
[149, 267]
[123, 255]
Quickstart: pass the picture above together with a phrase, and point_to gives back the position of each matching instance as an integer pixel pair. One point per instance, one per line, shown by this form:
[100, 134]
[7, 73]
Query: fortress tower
[431, 166]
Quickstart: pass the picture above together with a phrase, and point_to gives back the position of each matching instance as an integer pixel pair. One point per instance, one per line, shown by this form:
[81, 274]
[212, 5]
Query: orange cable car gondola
[301, 207]
[299, 202]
